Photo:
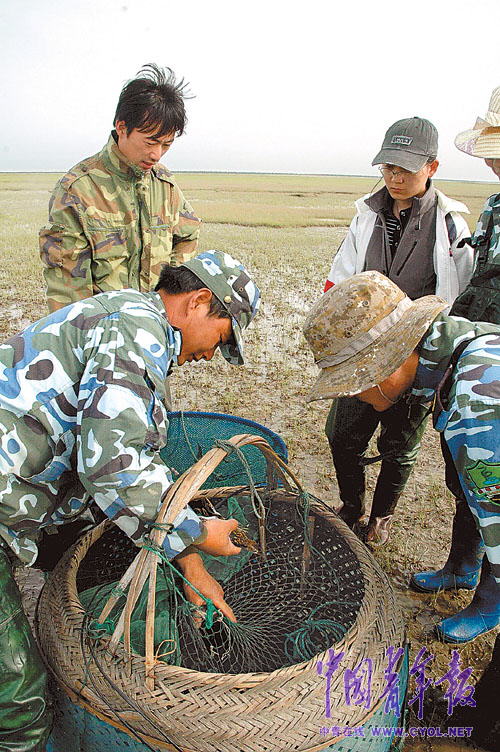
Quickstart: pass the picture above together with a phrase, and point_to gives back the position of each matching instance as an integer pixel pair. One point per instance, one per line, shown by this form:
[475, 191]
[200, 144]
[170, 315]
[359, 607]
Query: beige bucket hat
[362, 330]
[484, 139]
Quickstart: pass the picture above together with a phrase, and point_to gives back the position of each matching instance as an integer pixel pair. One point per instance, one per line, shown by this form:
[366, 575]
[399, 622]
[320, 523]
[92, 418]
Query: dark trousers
[25, 719]
[349, 428]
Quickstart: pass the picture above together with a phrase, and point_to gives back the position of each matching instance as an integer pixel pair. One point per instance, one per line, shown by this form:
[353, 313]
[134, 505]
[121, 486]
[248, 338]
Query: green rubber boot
[25, 720]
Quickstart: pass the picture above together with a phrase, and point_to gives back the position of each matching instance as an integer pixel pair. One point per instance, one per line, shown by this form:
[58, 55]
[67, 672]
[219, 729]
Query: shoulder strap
[451, 229]
[444, 386]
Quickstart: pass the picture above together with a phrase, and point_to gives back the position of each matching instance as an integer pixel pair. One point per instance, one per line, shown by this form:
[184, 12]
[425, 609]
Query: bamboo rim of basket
[63, 587]
[83, 695]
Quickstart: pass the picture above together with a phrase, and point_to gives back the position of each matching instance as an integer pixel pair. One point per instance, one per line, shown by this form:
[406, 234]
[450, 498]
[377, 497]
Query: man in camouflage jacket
[117, 216]
[372, 342]
[81, 418]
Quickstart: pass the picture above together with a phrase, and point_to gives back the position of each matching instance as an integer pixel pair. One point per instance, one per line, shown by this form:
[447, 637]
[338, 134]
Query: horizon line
[251, 172]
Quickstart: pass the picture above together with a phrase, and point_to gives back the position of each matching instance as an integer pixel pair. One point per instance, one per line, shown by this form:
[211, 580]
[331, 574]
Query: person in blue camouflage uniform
[81, 419]
[480, 301]
[372, 342]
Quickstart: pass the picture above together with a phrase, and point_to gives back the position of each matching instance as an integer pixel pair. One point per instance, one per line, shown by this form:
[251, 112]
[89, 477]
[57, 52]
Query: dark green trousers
[349, 428]
[25, 719]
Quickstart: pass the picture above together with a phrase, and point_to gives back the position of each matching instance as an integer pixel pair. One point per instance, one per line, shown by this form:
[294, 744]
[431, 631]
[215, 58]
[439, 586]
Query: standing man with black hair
[117, 216]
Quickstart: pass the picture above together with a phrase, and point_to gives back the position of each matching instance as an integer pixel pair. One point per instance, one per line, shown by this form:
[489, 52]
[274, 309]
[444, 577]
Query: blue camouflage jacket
[480, 301]
[470, 421]
[81, 417]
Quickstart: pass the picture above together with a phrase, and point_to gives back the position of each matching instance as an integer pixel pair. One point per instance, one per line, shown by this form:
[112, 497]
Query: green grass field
[286, 228]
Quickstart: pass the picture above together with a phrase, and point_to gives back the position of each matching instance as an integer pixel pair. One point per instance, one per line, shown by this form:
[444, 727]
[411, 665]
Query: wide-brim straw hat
[362, 330]
[483, 140]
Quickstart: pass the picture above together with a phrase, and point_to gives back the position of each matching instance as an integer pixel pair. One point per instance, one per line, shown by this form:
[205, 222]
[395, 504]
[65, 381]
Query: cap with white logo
[409, 144]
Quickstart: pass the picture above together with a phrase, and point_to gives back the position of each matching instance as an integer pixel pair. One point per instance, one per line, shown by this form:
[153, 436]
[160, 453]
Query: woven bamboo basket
[282, 710]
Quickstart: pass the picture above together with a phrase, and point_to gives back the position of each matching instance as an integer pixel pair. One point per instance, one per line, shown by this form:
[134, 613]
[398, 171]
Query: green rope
[306, 641]
[230, 448]
[210, 607]
[303, 506]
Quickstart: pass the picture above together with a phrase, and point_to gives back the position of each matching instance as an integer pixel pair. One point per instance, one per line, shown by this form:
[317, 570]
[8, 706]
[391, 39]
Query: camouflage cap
[362, 330]
[231, 283]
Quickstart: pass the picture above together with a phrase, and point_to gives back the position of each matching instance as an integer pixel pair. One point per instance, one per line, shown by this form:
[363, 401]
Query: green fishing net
[192, 434]
[296, 596]
[289, 607]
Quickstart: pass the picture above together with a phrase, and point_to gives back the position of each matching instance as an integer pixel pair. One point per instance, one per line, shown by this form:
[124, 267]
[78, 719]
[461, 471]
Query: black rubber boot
[463, 566]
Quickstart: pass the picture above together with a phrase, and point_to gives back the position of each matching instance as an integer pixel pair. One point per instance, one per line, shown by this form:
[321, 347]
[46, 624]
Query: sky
[305, 87]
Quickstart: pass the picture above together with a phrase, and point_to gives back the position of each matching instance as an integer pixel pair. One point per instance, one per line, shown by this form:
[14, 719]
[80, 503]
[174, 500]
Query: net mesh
[287, 612]
[294, 597]
[192, 434]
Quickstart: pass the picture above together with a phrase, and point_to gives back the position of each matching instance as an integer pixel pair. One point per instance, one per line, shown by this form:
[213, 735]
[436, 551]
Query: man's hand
[193, 569]
[217, 541]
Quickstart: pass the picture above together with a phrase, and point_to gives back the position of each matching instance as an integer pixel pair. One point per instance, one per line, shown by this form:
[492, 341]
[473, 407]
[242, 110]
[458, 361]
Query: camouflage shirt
[470, 421]
[490, 214]
[112, 226]
[81, 416]
[480, 301]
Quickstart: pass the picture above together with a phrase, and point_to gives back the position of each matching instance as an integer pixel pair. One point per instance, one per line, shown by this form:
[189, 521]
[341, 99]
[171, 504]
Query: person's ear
[121, 128]
[433, 167]
[201, 297]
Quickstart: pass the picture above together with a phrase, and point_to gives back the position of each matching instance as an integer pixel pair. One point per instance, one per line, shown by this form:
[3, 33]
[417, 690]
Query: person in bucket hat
[479, 302]
[82, 420]
[372, 342]
[413, 234]
[483, 140]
